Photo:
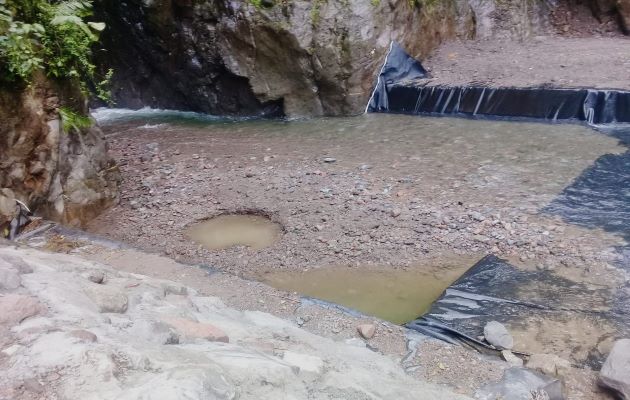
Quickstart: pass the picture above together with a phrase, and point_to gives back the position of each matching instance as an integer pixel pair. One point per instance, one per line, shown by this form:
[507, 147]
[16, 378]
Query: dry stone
[107, 299]
[615, 373]
[548, 364]
[9, 279]
[367, 331]
[497, 335]
[15, 308]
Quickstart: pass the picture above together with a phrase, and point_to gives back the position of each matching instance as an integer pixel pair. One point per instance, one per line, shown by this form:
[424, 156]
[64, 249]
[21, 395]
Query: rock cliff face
[65, 176]
[292, 57]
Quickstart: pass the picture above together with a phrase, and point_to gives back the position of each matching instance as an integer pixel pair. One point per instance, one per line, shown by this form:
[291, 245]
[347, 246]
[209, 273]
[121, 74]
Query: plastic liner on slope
[494, 290]
[398, 67]
[400, 92]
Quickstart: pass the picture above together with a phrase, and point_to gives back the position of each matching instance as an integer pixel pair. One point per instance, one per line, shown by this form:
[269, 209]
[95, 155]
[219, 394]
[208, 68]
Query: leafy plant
[54, 36]
[73, 122]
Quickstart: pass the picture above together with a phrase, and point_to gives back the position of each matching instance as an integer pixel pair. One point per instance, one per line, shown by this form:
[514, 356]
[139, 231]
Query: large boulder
[615, 373]
[65, 176]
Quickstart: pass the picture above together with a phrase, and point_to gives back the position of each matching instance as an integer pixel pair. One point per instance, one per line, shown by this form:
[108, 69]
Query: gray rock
[329, 160]
[548, 364]
[367, 331]
[497, 335]
[107, 299]
[615, 373]
[16, 308]
[9, 279]
[520, 384]
[511, 358]
[96, 277]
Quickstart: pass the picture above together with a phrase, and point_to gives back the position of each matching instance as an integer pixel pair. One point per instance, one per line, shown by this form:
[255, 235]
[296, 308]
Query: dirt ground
[591, 62]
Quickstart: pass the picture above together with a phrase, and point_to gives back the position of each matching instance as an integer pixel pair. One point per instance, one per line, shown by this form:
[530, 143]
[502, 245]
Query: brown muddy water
[395, 295]
[225, 231]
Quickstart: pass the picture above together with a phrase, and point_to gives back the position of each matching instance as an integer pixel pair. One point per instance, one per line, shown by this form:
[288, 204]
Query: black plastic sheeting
[495, 290]
[401, 88]
[600, 196]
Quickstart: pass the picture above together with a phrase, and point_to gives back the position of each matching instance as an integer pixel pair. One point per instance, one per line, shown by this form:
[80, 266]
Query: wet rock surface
[66, 176]
[296, 57]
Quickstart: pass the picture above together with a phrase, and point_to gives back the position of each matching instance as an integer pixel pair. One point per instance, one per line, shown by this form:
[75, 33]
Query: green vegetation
[52, 36]
[72, 121]
[375, 3]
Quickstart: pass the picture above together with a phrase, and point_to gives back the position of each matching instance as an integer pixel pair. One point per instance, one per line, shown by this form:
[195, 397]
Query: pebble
[329, 160]
[366, 331]
[96, 277]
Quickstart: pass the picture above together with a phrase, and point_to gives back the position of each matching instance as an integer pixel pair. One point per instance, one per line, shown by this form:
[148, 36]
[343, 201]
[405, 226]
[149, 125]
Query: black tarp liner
[398, 66]
[600, 196]
[403, 89]
[495, 290]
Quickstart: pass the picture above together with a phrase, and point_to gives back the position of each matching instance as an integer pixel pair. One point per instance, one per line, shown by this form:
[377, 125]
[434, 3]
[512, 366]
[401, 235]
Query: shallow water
[224, 231]
[395, 295]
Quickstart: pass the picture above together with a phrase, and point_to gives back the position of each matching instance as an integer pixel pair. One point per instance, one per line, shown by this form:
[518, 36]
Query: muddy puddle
[395, 295]
[225, 231]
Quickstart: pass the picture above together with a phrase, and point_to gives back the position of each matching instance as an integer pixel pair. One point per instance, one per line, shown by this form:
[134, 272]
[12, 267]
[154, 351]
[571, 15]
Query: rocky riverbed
[350, 197]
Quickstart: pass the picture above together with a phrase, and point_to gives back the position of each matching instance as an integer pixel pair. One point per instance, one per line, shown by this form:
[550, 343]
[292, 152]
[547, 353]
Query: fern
[73, 122]
[53, 36]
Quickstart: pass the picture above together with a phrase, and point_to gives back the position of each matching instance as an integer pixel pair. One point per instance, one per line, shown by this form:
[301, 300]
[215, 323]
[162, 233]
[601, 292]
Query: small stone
[196, 330]
[395, 212]
[367, 331]
[16, 308]
[329, 160]
[511, 358]
[615, 373]
[83, 335]
[497, 335]
[107, 299]
[548, 364]
[97, 277]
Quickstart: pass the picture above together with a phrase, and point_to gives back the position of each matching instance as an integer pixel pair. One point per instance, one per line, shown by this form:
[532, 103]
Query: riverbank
[155, 287]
